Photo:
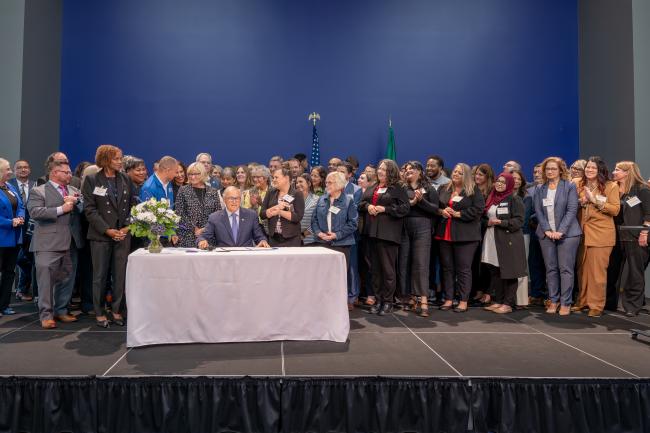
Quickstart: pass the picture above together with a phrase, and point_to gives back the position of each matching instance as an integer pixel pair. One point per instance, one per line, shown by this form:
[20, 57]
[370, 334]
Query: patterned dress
[194, 206]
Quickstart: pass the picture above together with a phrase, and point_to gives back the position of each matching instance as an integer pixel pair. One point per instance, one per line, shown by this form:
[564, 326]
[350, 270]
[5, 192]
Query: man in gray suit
[233, 227]
[55, 207]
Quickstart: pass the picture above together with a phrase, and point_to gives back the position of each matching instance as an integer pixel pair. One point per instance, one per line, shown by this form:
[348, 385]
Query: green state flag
[391, 152]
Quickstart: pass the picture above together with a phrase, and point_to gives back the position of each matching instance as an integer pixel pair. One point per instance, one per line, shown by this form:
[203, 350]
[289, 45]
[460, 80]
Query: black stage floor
[524, 344]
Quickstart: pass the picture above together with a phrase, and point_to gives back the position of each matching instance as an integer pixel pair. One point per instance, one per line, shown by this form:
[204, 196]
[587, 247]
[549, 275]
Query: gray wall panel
[12, 13]
[606, 79]
[41, 98]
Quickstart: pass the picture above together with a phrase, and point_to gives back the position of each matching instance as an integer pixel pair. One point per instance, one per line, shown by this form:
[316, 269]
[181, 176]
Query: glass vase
[155, 246]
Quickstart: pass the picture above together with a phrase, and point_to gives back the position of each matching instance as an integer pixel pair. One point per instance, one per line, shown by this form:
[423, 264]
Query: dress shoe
[22, 297]
[552, 308]
[460, 310]
[66, 318]
[594, 313]
[386, 308]
[565, 310]
[631, 314]
[578, 308]
[424, 310]
[48, 324]
[374, 309]
[445, 307]
[119, 322]
[503, 309]
[102, 323]
[492, 307]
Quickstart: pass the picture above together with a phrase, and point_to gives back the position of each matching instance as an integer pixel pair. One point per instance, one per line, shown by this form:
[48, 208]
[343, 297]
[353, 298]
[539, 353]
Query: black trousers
[109, 256]
[414, 252]
[365, 262]
[456, 262]
[434, 265]
[614, 268]
[8, 258]
[480, 273]
[384, 269]
[505, 290]
[637, 262]
[279, 241]
[537, 268]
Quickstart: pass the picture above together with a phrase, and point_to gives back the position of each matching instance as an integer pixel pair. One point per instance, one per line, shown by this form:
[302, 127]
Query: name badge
[382, 190]
[100, 191]
[287, 198]
[334, 210]
[547, 202]
[457, 198]
[502, 211]
[633, 201]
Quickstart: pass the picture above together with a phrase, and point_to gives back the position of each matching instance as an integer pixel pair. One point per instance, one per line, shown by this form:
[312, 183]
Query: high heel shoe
[552, 308]
[424, 310]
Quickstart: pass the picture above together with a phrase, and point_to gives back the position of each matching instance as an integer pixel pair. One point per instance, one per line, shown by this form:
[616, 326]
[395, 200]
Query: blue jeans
[560, 260]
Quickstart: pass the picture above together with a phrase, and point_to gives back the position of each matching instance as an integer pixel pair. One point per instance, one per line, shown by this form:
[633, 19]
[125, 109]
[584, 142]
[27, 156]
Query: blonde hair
[4, 162]
[564, 172]
[198, 166]
[338, 178]
[468, 179]
[633, 175]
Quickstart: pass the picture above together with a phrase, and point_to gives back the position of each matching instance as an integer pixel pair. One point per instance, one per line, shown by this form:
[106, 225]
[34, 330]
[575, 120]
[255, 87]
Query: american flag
[315, 148]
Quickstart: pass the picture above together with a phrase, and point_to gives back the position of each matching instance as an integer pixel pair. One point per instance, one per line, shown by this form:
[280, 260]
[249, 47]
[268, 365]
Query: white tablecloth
[261, 295]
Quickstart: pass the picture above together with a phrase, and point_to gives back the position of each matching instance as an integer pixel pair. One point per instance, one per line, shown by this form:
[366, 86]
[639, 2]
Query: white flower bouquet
[153, 219]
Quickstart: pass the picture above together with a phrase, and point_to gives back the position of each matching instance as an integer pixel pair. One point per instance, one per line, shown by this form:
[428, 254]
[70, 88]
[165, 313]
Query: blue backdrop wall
[471, 80]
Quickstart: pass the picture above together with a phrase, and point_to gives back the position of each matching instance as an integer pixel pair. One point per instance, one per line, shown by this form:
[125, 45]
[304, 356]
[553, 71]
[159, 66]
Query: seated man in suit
[233, 227]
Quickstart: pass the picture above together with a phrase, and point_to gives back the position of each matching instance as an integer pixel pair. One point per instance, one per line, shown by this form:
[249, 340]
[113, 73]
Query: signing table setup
[236, 295]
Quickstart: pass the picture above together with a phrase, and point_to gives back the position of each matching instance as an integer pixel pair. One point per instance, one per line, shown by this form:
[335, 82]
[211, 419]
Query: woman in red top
[459, 233]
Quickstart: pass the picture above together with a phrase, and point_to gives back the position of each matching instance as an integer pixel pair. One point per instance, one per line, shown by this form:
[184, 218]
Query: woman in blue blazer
[12, 217]
[556, 206]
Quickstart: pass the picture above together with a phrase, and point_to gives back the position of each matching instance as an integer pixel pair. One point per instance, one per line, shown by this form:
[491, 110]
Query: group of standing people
[408, 233]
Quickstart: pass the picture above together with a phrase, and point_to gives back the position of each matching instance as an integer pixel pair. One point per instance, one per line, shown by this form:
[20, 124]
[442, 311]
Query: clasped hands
[418, 196]
[493, 222]
[275, 210]
[449, 212]
[556, 236]
[18, 221]
[117, 235]
[327, 236]
[375, 210]
[69, 202]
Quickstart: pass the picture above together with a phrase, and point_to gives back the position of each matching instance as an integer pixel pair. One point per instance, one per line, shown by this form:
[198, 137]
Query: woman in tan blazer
[600, 202]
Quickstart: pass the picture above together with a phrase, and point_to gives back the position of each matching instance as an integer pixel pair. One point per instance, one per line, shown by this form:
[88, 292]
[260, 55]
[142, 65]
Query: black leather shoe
[119, 322]
[374, 309]
[460, 310]
[631, 314]
[385, 309]
[445, 307]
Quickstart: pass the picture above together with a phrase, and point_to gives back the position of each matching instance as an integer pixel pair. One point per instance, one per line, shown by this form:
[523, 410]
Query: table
[185, 296]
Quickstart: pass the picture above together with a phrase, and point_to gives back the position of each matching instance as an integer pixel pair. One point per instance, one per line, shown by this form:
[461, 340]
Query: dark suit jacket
[24, 227]
[104, 212]
[565, 210]
[509, 237]
[291, 228]
[636, 215]
[388, 225]
[218, 232]
[468, 227]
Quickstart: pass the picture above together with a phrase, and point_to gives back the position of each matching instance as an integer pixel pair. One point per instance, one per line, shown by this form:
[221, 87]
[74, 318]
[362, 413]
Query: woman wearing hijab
[504, 251]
